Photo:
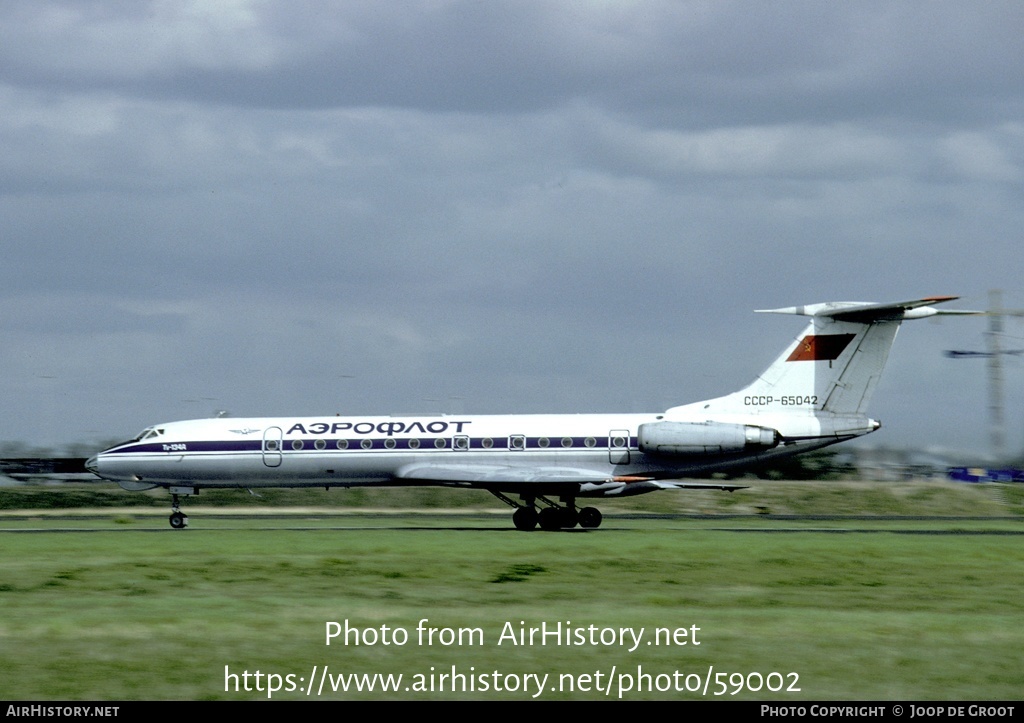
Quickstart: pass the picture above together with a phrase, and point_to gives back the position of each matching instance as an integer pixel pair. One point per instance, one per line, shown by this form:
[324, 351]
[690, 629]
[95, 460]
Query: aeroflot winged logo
[820, 347]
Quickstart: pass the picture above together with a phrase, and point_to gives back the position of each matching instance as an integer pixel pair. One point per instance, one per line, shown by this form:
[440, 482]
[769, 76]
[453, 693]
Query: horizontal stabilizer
[866, 312]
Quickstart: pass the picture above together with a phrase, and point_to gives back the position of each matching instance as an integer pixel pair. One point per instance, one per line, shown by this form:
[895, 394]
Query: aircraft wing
[484, 474]
[487, 475]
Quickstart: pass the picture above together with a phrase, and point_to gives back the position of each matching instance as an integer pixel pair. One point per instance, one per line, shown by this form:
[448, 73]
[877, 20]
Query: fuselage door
[273, 438]
[618, 446]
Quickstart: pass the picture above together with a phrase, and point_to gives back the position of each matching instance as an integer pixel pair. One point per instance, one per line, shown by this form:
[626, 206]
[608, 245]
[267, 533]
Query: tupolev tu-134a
[813, 395]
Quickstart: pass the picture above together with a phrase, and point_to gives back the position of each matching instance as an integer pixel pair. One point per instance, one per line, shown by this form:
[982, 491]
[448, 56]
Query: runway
[213, 522]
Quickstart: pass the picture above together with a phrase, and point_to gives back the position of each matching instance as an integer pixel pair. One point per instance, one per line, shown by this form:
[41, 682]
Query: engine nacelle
[686, 438]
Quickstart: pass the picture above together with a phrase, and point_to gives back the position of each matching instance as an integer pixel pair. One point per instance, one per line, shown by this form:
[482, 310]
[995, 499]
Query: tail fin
[832, 368]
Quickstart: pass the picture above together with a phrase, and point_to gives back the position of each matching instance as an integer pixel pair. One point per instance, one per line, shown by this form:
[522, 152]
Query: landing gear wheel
[570, 517]
[590, 517]
[179, 520]
[551, 518]
[524, 518]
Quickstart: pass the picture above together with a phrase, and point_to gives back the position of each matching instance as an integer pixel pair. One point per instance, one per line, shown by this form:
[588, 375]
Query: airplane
[813, 395]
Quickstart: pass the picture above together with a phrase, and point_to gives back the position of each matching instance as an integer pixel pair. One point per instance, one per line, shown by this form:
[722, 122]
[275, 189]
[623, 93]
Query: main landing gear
[552, 517]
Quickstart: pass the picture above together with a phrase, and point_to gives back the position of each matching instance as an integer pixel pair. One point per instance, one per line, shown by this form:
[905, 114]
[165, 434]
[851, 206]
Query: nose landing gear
[178, 519]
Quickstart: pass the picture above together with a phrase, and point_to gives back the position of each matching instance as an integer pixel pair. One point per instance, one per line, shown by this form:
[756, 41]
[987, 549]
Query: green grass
[133, 610]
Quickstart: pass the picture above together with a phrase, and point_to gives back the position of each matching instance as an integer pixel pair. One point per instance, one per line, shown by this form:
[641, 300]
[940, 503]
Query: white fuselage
[596, 454]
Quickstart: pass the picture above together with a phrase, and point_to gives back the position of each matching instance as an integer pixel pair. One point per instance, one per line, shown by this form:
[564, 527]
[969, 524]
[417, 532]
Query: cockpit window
[146, 433]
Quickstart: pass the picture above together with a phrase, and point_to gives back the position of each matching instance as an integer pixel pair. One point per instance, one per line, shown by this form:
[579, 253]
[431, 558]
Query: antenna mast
[997, 419]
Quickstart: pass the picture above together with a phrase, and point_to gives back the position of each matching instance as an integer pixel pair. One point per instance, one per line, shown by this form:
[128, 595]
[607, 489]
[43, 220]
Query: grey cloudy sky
[535, 206]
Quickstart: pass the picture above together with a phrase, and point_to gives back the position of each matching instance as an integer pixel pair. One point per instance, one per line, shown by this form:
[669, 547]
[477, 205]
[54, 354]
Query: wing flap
[678, 484]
